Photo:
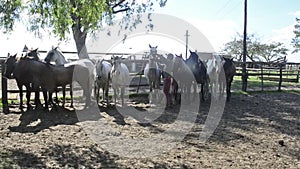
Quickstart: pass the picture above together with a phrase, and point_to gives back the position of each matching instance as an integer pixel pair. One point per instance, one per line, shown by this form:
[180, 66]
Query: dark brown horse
[82, 66]
[199, 71]
[229, 69]
[62, 77]
[14, 69]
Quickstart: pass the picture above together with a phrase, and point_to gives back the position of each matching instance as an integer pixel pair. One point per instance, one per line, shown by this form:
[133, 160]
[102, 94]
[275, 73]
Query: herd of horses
[180, 77]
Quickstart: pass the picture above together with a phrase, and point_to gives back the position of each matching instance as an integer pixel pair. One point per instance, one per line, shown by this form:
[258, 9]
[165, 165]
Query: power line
[222, 7]
[233, 8]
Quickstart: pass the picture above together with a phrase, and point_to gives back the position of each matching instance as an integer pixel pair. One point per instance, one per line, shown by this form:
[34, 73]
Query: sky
[218, 20]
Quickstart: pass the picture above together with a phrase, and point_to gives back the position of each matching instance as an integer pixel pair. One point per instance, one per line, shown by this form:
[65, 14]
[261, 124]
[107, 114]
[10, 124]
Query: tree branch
[117, 4]
[121, 10]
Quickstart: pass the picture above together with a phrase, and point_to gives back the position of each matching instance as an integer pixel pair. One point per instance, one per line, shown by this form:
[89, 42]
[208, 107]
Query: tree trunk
[80, 38]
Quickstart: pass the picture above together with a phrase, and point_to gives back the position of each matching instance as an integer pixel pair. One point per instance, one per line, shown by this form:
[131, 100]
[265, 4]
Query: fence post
[262, 77]
[4, 91]
[280, 77]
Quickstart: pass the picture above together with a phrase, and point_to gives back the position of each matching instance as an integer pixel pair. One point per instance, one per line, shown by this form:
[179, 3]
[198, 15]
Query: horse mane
[59, 52]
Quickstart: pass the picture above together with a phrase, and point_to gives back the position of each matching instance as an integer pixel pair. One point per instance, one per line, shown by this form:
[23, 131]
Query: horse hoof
[21, 109]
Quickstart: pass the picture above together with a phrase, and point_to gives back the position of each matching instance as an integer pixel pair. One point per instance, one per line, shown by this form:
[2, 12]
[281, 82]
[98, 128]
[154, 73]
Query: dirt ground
[256, 131]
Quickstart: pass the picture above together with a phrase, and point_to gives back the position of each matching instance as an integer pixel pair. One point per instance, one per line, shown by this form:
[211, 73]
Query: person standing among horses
[167, 79]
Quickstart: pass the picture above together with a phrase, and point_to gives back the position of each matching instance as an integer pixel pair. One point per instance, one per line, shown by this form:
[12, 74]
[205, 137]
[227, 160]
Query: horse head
[193, 56]
[54, 55]
[9, 66]
[99, 69]
[153, 50]
[33, 54]
[178, 60]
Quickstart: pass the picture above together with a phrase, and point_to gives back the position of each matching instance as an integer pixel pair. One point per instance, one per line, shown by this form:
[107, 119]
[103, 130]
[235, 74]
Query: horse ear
[150, 46]
[156, 47]
[35, 50]
[56, 48]
[190, 51]
[8, 54]
[15, 55]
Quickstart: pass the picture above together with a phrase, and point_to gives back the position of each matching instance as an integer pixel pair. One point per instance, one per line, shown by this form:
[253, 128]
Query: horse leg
[37, 101]
[50, 101]
[64, 95]
[115, 96]
[71, 94]
[96, 92]
[106, 94]
[21, 97]
[194, 89]
[202, 92]
[87, 98]
[96, 88]
[175, 91]
[103, 94]
[86, 92]
[28, 93]
[122, 95]
[46, 99]
[228, 90]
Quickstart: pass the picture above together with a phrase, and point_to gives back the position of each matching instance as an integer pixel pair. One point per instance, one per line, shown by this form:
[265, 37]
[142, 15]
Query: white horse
[102, 71]
[214, 70]
[120, 78]
[81, 66]
[153, 73]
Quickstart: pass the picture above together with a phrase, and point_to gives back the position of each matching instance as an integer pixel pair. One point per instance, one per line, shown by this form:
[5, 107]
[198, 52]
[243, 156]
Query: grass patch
[253, 82]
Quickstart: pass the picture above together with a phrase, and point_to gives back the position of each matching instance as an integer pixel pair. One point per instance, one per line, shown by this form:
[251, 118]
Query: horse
[199, 71]
[230, 70]
[102, 71]
[14, 70]
[215, 71]
[153, 72]
[119, 77]
[84, 69]
[183, 76]
[63, 76]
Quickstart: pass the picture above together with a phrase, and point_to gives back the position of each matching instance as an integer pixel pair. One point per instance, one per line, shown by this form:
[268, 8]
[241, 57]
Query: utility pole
[244, 72]
[186, 42]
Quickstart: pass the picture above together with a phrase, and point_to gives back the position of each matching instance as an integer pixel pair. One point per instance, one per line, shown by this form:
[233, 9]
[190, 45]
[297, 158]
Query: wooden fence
[277, 72]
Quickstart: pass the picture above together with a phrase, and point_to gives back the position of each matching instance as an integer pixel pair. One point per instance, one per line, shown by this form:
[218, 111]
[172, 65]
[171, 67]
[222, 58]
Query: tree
[80, 17]
[256, 50]
[274, 51]
[235, 47]
[296, 39]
